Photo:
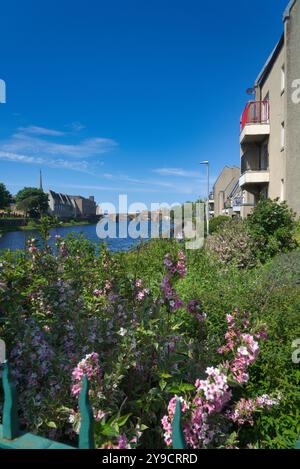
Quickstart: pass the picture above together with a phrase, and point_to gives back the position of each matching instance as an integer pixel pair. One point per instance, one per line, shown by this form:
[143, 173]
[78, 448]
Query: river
[14, 240]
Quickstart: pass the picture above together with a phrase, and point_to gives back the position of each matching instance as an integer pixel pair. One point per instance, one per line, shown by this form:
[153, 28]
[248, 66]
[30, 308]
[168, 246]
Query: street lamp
[206, 162]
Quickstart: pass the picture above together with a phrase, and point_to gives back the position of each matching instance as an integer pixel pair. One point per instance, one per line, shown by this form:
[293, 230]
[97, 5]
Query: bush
[233, 244]
[145, 325]
[272, 226]
[217, 222]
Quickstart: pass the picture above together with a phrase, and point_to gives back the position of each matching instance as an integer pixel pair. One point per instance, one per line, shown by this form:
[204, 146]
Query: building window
[282, 195]
[264, 157]
[282, 137]
[282, 79]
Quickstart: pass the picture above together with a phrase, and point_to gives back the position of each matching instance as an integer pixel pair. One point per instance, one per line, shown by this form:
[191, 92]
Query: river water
[17, 239]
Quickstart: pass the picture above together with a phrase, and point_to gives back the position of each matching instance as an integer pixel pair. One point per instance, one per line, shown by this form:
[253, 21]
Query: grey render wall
[292, 60]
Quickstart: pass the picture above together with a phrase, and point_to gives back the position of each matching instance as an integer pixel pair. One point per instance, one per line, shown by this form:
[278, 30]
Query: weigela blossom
[90, 367]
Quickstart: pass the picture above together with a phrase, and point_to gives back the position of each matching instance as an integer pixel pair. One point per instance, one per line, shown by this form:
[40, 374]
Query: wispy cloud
[81, 166]
[26, 144]
[35, 130]
[75, 126]
[35, 145]
[176, 172]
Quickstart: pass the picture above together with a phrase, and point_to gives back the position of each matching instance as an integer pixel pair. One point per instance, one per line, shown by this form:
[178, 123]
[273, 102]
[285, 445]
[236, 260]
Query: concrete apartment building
[65, 206]
[270, 124]
[226, 181]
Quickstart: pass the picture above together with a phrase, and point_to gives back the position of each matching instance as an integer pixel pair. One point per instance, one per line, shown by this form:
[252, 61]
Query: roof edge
[269, 63]
[287, 11]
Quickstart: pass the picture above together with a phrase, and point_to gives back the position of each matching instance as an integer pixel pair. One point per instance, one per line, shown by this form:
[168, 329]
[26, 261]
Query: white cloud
[35, 130]
[81, 166]
[75, 126]
[177, 172]
[27, 144]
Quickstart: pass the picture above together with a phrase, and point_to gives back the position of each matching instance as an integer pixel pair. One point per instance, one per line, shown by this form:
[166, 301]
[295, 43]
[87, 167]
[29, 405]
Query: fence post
[10, 421]
[86, 433]
[177, 433]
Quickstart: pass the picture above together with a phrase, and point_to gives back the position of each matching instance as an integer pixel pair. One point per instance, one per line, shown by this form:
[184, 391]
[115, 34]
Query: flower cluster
[32, 247]
[243, 344]
[105, 290]
[168, 419]
[244, 409]
[90, 367]
[194, 308]
[140, 292]
[205, 413]
[61, 245]
[175, 269]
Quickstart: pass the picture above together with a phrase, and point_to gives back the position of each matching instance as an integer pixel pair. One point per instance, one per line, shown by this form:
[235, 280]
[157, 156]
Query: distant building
[223, 187]
[235, 201]
[211, 205]
[60, 205]
[84, 207]
[66, 206]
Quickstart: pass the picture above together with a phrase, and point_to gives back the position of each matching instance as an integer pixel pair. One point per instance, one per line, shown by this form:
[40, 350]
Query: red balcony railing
[256, 112]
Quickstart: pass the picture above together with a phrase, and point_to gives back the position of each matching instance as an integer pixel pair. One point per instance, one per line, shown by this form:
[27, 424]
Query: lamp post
[206, 162]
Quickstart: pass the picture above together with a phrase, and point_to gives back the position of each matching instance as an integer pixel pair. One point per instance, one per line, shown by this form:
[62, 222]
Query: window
[282, 195]
[282, 79]
[264, 158]
[282, 137]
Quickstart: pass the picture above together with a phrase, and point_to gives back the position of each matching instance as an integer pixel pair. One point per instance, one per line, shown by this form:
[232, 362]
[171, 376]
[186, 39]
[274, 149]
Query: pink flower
[89, 366]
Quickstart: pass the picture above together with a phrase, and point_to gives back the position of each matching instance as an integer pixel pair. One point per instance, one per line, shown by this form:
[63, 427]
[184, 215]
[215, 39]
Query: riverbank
[34, 226]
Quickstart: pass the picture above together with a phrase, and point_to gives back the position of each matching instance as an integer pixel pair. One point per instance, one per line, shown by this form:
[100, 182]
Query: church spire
[41, 181]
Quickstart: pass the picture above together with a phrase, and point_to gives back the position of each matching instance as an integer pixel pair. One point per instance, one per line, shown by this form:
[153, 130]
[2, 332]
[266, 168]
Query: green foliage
[272, 226]
[147, 353]
[5, 196]
[32, 201]
[217, 222]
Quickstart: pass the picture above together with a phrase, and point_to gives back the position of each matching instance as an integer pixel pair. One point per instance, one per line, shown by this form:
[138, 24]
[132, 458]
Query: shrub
[217, 222]
[145, 325]
[233, 244]
[272, 227]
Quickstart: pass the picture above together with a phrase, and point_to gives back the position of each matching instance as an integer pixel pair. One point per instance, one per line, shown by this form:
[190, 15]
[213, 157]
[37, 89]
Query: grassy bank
[35, 226]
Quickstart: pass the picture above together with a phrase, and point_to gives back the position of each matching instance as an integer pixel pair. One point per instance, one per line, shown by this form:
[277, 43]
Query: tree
[5, 196]
[32, 201]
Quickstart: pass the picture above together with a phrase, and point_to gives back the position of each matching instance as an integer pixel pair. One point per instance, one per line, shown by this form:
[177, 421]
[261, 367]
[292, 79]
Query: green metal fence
[11, 437]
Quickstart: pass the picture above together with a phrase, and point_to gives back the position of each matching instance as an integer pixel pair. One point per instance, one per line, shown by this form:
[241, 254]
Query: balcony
[255, 122]
[250, 177]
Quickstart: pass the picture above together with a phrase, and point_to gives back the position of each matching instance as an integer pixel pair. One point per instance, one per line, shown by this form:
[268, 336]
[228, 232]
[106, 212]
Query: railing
[178, 440]
[12, 437]
[255, 112]
[237, 201]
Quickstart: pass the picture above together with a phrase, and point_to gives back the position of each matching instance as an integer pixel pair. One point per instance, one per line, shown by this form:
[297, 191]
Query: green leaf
[162, 384]
[51, 425]
[108, 430]
[165, 375]
[122, 420]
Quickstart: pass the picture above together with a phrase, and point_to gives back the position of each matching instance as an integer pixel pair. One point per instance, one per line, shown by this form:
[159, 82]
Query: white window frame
[283, 78]
[282, 136]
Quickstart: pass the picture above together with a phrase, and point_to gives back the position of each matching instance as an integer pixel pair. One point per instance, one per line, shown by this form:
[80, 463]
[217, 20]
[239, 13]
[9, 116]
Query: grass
[34, 226]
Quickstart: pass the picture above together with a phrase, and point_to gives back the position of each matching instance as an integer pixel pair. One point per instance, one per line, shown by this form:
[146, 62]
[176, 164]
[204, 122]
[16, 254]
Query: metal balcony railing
[256, 112]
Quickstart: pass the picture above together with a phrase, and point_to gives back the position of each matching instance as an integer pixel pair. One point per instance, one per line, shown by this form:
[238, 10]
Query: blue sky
[110, 97]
